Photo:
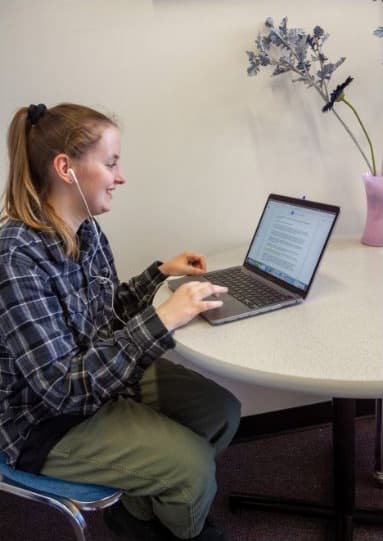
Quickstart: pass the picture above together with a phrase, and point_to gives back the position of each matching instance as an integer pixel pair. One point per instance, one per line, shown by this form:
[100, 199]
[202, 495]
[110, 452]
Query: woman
[85, 394]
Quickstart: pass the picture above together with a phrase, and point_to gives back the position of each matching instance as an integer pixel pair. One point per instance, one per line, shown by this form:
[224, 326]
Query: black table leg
[378, 471]
[344, 466]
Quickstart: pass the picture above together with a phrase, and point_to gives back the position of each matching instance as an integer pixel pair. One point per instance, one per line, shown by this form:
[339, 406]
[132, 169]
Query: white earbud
[72, 175]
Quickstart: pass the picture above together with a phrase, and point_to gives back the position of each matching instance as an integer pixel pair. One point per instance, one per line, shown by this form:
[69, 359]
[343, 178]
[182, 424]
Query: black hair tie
[35, 112]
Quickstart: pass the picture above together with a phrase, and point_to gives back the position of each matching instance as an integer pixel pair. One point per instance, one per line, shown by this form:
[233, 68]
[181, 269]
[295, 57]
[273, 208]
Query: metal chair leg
[378, 471]
[63, 505]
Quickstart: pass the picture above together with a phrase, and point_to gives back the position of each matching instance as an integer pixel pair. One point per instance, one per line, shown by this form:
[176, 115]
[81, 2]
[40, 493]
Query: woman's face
[98, 172]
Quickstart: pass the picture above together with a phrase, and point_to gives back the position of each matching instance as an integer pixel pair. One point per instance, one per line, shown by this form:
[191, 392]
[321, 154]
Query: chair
[67, 497]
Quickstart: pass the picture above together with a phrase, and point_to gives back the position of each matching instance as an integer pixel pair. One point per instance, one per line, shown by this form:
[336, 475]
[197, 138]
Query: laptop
[280, 263]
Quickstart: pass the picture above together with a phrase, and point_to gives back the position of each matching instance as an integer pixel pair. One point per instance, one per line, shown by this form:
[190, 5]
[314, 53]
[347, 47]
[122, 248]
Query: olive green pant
[160, 451]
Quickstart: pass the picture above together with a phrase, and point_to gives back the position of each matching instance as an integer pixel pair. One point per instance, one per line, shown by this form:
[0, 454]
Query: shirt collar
[86, 239]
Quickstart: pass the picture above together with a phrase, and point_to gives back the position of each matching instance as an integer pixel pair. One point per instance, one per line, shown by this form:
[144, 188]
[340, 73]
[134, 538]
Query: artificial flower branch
[296, 43]
[343, 99]
[338, 96]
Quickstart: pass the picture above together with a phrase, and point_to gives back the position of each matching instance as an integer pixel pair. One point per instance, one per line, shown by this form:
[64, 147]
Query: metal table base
[343, 510]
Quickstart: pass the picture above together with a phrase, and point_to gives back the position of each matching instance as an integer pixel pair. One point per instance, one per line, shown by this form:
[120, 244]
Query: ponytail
[21, 200]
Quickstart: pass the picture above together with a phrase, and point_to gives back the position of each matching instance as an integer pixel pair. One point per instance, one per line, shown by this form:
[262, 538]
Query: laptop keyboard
[252, 292]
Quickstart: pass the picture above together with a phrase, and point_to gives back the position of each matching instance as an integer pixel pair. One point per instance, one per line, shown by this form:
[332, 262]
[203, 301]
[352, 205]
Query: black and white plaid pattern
[62, 350]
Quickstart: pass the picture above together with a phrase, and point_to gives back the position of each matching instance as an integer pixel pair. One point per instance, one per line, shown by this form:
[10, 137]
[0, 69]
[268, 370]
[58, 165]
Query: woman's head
[36, 137]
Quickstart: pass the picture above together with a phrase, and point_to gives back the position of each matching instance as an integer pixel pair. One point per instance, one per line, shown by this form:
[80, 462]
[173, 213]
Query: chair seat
[80, 492]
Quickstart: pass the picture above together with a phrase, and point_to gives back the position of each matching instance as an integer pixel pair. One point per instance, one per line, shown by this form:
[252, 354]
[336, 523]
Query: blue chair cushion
[82, 492]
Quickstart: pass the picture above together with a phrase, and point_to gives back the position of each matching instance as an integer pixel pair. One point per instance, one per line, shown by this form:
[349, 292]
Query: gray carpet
[297, 465]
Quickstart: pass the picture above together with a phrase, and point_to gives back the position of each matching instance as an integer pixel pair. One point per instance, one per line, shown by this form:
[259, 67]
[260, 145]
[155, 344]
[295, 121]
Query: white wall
[203, 144]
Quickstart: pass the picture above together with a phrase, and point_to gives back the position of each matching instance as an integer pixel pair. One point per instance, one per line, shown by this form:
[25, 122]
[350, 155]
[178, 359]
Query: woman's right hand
[187, 302]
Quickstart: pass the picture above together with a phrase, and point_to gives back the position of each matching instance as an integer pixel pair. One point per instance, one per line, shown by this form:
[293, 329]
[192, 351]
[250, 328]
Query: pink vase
[373, 230]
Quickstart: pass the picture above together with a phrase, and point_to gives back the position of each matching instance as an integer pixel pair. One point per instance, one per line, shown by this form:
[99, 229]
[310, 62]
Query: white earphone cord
[104, 279]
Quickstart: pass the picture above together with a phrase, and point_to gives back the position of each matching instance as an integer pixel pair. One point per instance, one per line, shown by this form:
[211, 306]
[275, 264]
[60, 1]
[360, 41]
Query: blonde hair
[32, 145]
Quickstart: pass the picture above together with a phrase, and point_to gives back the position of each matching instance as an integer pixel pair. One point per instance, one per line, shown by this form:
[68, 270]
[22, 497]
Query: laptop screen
[290, 239]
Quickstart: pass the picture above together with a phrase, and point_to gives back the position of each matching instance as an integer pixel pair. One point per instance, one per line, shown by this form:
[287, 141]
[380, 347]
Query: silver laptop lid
[289, 241]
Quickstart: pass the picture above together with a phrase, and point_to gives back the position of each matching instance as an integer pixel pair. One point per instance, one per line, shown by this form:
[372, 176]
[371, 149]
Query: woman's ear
[61, 166]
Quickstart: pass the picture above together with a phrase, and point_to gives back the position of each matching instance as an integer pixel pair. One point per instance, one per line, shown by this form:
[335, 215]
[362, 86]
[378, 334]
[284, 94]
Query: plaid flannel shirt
[62, 350]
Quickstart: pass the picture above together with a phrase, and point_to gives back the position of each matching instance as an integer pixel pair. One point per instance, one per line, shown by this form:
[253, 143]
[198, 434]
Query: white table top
[330, 345]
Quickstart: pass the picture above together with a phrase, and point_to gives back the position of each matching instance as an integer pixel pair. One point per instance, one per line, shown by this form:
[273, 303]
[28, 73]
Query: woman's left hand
[190, 263]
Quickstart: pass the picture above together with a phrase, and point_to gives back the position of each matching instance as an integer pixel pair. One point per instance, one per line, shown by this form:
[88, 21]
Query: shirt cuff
[158, 329]
[155, 271]
[149, 333]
